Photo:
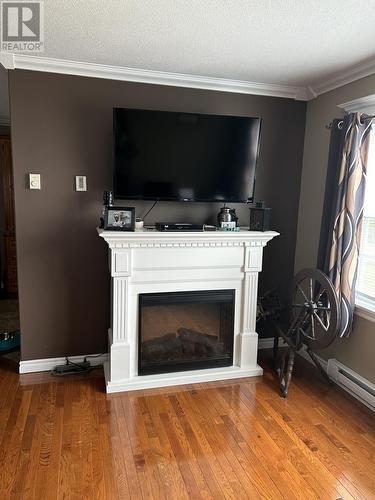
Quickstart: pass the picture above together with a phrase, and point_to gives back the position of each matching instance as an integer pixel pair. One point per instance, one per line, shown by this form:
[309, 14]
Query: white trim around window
[363, 104]
[365, 306]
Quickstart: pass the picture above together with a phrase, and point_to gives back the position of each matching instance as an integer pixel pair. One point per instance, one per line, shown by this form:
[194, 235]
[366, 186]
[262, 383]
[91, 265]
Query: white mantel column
[249, 336]
[119, 347]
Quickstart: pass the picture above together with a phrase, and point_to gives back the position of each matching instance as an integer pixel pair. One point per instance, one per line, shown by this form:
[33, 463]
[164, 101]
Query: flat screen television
[163, 155]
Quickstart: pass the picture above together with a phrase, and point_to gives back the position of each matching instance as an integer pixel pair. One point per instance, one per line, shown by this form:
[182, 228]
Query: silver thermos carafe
[227, 217]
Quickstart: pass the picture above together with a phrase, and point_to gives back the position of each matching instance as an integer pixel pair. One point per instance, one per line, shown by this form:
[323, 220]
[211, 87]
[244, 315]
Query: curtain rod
[340, 124]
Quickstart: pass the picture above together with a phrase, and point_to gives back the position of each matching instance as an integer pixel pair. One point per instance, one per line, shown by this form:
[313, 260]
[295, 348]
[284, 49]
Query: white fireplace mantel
[151, 261]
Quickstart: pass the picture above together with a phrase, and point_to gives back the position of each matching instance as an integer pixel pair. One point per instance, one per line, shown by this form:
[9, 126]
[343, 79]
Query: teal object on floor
[11, 343]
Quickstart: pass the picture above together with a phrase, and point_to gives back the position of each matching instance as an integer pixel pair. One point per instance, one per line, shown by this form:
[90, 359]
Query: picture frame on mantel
[119, 218]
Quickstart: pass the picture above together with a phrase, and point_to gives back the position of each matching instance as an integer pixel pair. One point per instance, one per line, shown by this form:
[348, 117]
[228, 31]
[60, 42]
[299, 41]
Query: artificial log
[183, 345]
[162, 348]
[196, 343]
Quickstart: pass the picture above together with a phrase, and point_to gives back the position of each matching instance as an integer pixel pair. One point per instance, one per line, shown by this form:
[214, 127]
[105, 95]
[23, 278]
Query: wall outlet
[34, 181]
[81, 183]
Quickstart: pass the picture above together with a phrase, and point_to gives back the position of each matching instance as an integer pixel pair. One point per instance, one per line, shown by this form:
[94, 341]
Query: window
[365, 289]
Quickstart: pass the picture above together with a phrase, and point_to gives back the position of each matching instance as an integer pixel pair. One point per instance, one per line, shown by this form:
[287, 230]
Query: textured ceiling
[297, 42]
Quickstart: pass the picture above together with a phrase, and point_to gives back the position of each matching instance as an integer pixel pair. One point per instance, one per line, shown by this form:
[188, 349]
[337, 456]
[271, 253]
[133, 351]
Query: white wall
[357, 352]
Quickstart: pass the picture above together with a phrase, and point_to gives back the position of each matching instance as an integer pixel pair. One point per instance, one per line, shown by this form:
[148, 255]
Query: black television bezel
[164, 198]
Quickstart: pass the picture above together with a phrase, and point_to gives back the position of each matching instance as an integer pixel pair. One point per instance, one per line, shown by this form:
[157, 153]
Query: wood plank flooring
[64, 438]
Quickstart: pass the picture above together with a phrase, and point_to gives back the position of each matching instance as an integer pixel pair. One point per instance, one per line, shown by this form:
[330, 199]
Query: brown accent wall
[4, 132]
[61, 127]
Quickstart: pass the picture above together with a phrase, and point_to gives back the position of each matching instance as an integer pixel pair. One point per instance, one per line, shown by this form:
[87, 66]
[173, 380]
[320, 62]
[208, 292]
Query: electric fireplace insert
[181, 331]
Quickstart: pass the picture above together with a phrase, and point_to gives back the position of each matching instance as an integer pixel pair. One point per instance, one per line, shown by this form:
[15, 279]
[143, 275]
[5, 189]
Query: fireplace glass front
[185, 331]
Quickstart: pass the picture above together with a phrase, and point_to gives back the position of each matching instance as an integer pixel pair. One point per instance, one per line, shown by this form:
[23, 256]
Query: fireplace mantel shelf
[149, 261]
[152, 238]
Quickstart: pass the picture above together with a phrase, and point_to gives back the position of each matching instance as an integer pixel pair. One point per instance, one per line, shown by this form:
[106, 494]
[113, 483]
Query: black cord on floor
[79, 367]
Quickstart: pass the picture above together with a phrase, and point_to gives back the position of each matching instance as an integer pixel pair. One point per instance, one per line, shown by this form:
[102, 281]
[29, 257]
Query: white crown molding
[305, 94]
[311, 92]
[300, 93]
[344, 77]
[5, 121]
[363, 104]
[7, 60]
[34, 63]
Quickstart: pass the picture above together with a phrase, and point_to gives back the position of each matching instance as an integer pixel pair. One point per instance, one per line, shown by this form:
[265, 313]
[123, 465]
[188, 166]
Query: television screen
[162, 155]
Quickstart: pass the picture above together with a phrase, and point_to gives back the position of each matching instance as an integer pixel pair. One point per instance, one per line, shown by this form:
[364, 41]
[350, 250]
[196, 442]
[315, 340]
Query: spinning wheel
[315, 319]
[315, 308]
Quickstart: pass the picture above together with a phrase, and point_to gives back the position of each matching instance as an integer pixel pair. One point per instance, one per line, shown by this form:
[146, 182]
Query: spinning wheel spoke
[311, 289]
[312, 326]
[303, 293]
[303, 319]
[298, 305]
[301, 330]
[321, 322]
[321, 292]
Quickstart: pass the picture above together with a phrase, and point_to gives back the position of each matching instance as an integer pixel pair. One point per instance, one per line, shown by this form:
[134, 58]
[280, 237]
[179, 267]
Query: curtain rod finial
[339, 125]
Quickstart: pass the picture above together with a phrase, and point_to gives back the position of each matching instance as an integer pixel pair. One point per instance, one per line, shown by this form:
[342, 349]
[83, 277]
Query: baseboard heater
[357, 386]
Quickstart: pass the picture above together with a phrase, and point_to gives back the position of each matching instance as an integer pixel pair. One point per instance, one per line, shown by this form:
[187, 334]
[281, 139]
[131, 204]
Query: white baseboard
[267, 343]
[45, 365]
[42, 365]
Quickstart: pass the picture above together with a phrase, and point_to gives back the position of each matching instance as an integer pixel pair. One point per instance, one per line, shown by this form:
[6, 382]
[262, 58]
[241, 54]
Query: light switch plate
[81, 183]
[34, 181]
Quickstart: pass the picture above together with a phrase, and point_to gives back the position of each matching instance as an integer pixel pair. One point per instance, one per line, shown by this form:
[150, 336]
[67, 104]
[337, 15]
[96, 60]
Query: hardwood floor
[65, 438]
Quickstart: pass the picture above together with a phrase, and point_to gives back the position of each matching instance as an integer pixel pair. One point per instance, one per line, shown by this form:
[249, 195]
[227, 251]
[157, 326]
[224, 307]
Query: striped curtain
[348, 213]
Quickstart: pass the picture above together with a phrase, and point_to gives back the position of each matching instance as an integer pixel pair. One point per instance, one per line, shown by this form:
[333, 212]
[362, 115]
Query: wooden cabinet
[9, 235]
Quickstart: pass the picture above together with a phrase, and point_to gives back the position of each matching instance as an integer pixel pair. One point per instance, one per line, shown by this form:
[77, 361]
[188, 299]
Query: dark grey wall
[357, 351]
[4, 132]
[61, 127]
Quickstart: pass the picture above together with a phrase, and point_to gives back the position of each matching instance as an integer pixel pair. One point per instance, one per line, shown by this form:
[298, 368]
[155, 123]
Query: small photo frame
[119, 219]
